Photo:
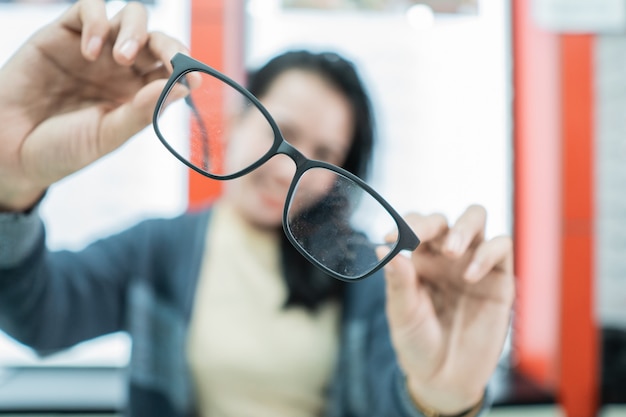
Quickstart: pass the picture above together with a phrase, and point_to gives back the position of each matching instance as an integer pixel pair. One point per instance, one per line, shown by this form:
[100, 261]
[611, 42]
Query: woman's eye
[289, 135]
[326, 155]
[321, 155]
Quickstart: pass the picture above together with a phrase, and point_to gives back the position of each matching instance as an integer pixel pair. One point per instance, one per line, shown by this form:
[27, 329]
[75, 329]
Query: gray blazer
[142, 281]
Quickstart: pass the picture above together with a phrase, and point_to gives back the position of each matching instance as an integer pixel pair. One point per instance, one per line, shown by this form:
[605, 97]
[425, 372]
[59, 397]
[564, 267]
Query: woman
[225, 317]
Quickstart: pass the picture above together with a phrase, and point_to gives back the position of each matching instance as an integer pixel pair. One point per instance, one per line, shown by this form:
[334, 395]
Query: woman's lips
[272, 201]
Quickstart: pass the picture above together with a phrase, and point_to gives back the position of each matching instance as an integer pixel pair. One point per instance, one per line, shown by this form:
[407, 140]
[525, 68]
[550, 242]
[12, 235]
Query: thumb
[402, 288]
[122, 123]
[66, 143]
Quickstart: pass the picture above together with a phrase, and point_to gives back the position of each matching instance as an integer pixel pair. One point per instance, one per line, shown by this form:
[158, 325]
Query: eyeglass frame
[183, 64]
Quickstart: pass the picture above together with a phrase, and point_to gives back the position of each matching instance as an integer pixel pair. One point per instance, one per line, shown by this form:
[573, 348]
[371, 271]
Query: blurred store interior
[517, 105]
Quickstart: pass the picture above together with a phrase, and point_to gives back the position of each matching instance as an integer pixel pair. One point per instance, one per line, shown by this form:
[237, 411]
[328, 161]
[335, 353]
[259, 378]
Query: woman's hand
[449, 308]
[75, 91]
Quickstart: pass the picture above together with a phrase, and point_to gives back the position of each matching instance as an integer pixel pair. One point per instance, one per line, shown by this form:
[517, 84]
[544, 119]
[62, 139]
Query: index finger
[132, 22]
[469, 227]
[164, 47]
[427, 227]
[89, 18]
[494, 254]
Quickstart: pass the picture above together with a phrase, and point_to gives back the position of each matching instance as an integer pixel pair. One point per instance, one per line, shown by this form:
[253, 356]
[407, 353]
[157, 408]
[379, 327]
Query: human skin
[449, 306]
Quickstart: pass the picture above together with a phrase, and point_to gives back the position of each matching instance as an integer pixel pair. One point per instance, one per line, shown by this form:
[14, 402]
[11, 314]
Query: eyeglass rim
[183, 64]
[407, 239]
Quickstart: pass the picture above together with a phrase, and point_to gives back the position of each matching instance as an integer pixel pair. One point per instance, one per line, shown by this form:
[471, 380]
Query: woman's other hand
[449, 308]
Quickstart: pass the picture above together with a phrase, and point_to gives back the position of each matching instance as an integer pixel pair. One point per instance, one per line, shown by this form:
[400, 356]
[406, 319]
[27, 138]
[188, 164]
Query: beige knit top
[249, 356]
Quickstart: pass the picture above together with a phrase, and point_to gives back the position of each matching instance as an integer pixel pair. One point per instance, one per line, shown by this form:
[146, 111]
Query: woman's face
[315, 118]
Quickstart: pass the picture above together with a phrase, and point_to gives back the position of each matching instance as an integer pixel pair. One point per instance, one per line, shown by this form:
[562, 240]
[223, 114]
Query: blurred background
[517, 105]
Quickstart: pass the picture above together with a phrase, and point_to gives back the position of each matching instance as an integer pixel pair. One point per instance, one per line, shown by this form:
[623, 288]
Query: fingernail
[93, 47]
[129, 49]
[382, 251]
[454, 243]
[471, 274]
[389, 268]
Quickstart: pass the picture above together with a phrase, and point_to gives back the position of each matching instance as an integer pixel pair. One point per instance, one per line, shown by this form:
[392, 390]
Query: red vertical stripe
[579, 337]
[555, 335]
[536, 196]
[217, 39]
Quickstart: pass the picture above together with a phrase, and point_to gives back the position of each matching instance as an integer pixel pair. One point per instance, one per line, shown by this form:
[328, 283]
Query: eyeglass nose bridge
[288, 149]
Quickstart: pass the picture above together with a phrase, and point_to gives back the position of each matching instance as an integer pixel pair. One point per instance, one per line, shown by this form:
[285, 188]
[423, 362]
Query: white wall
[442, 95]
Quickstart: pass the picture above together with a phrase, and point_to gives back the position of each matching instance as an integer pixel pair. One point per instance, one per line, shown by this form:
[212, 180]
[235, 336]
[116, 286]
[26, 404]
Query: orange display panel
[217, 40]
[556, 336]
[579, 352]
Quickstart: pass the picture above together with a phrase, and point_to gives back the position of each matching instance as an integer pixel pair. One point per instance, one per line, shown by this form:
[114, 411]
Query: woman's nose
[282, 168]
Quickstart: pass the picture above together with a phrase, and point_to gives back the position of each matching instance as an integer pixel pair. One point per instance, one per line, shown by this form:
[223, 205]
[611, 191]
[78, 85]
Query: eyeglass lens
[338, 223]
[329, 216]
[221, 121]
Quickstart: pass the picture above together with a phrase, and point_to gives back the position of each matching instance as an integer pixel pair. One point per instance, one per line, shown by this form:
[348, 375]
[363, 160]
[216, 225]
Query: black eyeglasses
[332, 217]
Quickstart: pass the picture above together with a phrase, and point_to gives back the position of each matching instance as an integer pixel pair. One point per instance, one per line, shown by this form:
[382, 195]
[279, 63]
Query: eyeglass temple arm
[203, 131]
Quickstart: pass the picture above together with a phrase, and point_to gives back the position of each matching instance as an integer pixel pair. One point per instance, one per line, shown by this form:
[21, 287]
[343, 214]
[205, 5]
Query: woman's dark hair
[307, 285]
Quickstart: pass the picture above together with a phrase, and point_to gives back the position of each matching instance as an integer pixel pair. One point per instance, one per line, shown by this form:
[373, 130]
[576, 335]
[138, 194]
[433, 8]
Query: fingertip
[146, 100]
[399, 272]
[427, 227]
[177, 92]
[382, 251]
[89, 19]
[93, 47]
[400, 287]
[194, 80]
[473, 272]
[127, 51]
[455, 244]
[165, 48]
[131, 23]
